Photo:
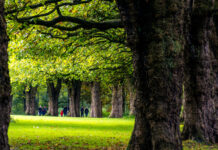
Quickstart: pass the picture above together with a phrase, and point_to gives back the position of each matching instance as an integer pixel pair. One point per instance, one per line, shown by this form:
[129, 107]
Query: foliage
[39, 53]
[84, 54]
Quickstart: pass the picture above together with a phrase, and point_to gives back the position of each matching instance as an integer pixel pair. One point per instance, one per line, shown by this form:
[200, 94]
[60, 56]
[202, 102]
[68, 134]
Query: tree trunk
[124, 99]
[74, 90]
[132, 97]
[117, 102]
[215, 68]
[53, 94]
[155, 36]
[31, 100]
[24, 99]
[96, 107]
[199, 108]
[5, 88]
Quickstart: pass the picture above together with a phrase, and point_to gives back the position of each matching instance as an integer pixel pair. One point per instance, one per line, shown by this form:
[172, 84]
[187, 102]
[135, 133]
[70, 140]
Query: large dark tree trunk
[117, 102]
[53, 94]
[132, 97]
[155, 36]
[215, 67]
[74, 90]
[199, 107]
[31, 100]
[5, 88]
[96, 107]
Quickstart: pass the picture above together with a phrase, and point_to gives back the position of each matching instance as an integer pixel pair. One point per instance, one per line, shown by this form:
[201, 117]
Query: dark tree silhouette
[155, 36]
[5, 88]
[199, 107]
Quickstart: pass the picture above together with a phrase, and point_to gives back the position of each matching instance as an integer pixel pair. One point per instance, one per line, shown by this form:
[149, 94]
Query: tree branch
[35, 6]
[81, 23]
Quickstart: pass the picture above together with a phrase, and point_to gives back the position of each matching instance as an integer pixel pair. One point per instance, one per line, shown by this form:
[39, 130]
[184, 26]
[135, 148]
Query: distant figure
[62, 112]
[86, 111]
[82, 111]
[65, 111]
[44, 110]
[40, 110]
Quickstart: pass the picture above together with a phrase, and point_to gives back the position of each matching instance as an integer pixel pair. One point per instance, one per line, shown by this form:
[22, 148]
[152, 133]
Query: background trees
[199, 108]
[77, 57]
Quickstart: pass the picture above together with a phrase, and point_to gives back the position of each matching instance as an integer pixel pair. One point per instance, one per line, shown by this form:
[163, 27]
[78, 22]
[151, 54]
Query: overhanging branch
[81, 23]
[35, 6]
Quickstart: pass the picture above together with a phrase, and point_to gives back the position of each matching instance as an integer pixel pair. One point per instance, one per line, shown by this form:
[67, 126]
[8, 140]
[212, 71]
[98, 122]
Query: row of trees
[174, 43]
[75, 95]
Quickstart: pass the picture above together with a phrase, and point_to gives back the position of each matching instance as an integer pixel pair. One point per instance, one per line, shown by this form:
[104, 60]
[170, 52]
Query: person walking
[44, 110]
[40, 110]
[62, 112]
[86, 111]
[82, 111]
[65, 111]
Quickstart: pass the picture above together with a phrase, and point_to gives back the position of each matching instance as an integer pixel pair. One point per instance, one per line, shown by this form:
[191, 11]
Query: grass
[35, 133]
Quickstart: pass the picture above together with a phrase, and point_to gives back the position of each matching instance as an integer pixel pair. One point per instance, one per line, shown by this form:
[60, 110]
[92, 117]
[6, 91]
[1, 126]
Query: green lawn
[34, 132]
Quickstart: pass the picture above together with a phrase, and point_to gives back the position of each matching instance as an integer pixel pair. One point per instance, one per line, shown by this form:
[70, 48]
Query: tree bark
[74, 90]
[31, 100]
[5, 88]
[53, 93]
[155, 36]
[199, 109]
[117, 102]
[214, 40]
[96, 107]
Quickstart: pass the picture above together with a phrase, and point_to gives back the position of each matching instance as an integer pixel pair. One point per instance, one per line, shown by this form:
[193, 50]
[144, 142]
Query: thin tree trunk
[77, 96]
[124, 100]
[132, 97]
[74, 90]
[96, 107]
[117, 102]
[53, 94]
[5, 88]
[199, 108]
[155, 35]
[37, 101]
[31, 100]
[24, 100]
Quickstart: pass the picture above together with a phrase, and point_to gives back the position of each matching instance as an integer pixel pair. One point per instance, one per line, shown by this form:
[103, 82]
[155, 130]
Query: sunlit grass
[56, 132]
[34, 132]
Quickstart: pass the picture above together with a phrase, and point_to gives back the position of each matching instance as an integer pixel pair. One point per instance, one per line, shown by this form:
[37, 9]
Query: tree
[30, 100]
[53, 93]
[132, 96]
[199, 109]
[117, 101]
[96, 106]
[25, 74]
[155, 36]
[215, 66]
[74, 90]
[5, 88]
